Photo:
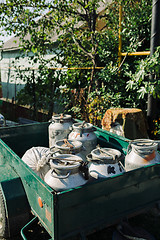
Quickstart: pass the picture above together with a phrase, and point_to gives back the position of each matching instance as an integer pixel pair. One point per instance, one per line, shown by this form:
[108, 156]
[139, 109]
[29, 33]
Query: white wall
[10, 83]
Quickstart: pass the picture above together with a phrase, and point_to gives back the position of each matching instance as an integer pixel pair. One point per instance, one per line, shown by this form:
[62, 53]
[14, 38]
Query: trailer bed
[85, 209]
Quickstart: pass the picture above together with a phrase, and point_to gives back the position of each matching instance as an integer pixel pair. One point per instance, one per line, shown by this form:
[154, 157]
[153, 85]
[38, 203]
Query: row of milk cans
[73, 157]
[103, 162]
[76, 144]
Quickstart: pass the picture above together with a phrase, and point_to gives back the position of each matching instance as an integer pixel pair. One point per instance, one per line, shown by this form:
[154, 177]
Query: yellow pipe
[52, 68]
[120, 36]
[120, 54]
[135, 53]
[78, 68]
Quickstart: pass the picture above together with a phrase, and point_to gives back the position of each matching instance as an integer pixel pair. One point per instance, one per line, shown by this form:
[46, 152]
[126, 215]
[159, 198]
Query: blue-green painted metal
[82, 210]
[22, 137]
[15, 200]
[34, 188]
[26, 227]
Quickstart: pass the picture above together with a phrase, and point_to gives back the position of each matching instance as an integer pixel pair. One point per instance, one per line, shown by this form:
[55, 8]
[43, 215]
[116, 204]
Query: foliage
[41, 84]
[136, 25]
[99, 102]
[156, 129]
[87, 93]
[146, 79]
[40, 91]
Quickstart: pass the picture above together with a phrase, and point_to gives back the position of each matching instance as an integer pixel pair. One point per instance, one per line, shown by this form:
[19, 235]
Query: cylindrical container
[84, 132]
[65, 146]
[59, 128]
[2, 121]
[104, 163]
[141, 152]
[65, 172]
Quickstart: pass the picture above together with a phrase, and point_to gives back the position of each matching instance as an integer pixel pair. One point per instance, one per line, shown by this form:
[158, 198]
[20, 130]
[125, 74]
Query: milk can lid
[83, 125]
[108, 154]
[61, 116]
[66, 162]
[68, 144]
[144, 144]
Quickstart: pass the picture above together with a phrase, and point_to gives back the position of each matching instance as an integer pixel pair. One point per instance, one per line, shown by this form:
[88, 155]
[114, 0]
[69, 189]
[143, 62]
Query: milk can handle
[81, 131]
[84, 170]
[89, 157]
[129, 147]
[61, 118]
[54, 174]
[120, 164]
[81, 127]
[51, 121]
[53, 150]
[70, 128]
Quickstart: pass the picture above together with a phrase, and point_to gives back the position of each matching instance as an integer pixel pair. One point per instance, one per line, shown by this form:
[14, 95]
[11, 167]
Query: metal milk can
[65, 146]
[59, 128]
[84, 132]
[66, 172]
[104, 163]
[141, 152]
[2, 121]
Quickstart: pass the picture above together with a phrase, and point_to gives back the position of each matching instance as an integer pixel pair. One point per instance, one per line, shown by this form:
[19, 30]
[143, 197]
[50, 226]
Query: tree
[75, 20]
[81, 44]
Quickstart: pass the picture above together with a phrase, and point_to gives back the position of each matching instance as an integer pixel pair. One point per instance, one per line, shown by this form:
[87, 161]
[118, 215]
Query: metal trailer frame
[75, 212]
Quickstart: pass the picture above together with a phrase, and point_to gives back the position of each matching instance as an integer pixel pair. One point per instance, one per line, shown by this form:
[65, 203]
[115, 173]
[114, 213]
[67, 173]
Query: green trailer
[75, 212]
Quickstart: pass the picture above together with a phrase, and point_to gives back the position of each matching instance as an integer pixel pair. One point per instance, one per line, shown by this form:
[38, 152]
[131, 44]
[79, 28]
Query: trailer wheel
[4, 231]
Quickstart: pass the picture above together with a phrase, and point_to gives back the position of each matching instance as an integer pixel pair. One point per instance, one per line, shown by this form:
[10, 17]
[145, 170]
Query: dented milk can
[59, 128]
[66, 172]
[84, 132]
[105, 162]
[141, 152]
